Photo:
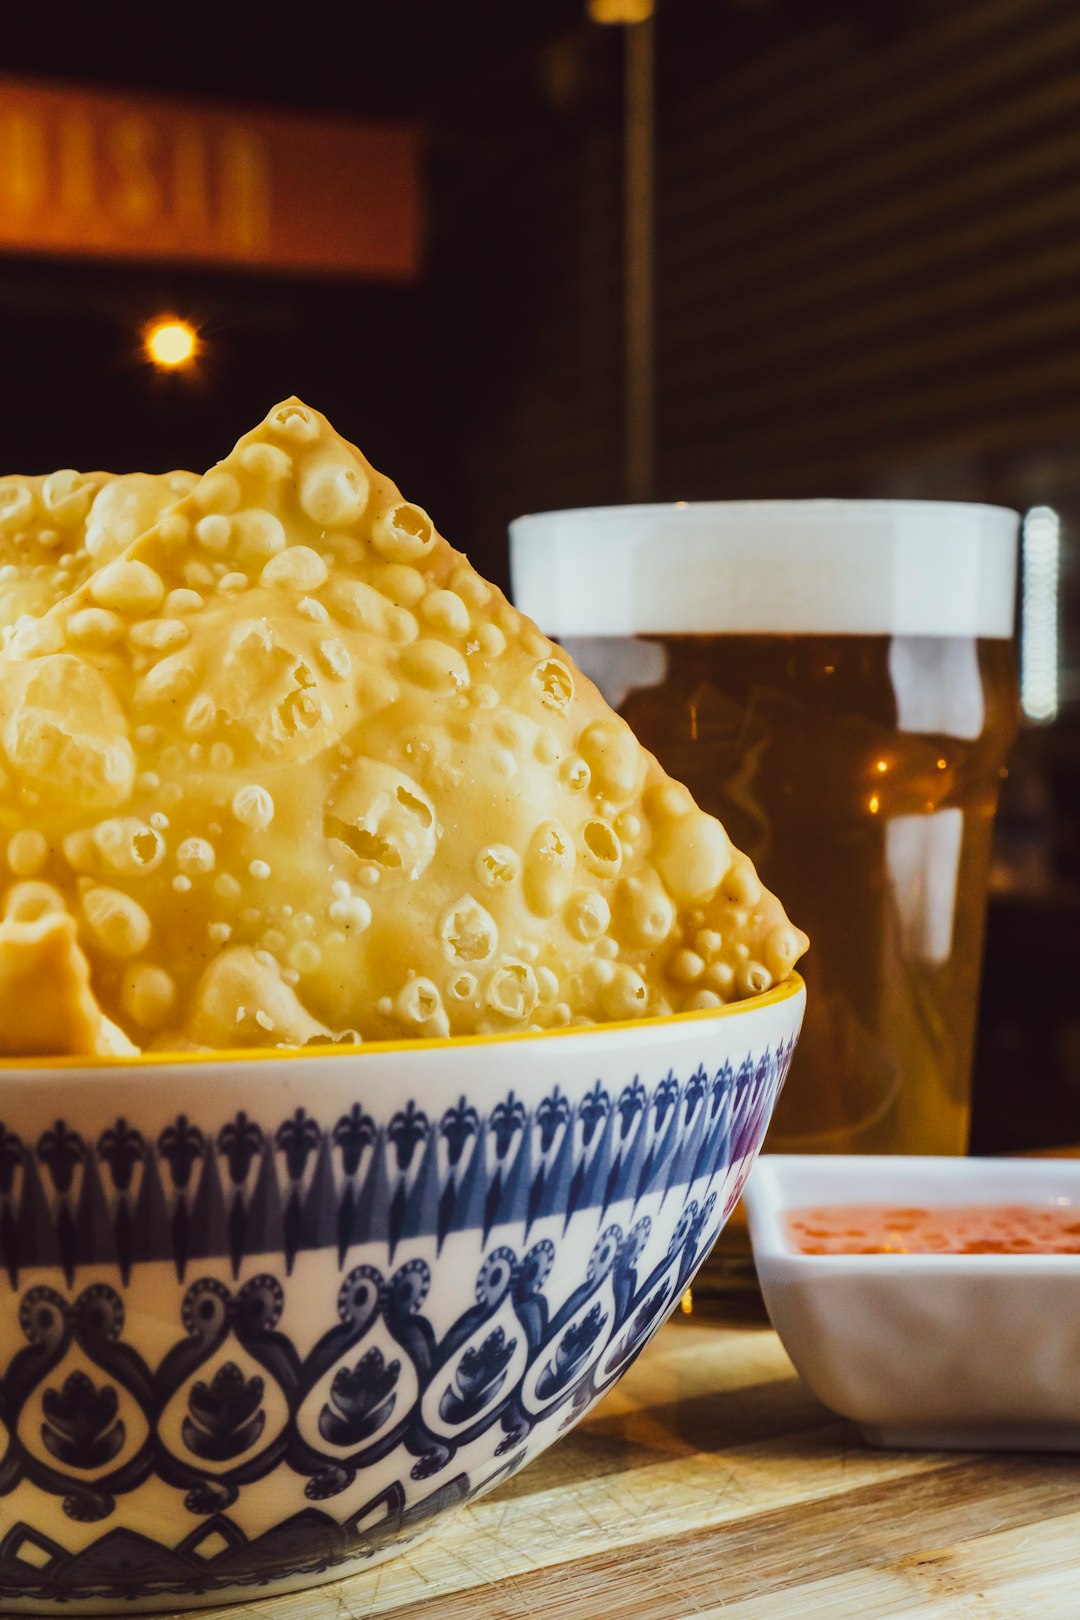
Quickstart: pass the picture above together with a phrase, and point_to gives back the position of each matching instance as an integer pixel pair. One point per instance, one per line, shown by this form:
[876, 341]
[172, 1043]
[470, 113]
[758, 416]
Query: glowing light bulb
[170, 343]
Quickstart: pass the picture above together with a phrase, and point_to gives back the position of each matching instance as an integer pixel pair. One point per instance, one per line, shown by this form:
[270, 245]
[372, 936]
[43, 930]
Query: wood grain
[710, 1483]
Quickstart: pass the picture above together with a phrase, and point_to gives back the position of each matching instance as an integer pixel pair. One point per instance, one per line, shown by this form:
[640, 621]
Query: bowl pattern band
[293, 1270]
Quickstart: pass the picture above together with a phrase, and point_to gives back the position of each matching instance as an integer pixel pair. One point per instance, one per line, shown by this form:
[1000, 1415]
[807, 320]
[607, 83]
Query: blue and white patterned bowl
[264, 1317]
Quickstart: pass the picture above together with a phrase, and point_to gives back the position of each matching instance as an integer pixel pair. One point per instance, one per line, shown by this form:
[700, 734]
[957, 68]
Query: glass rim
[794, 507]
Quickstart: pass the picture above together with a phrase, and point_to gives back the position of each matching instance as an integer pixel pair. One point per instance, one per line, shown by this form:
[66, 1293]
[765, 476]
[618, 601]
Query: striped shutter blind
[869, 246]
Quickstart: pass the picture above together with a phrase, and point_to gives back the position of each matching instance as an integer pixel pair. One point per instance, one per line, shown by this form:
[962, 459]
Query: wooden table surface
[711, 1483]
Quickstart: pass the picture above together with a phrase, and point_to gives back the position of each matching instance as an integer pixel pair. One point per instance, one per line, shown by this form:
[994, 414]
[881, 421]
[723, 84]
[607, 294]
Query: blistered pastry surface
[57, 528]
[296, 772]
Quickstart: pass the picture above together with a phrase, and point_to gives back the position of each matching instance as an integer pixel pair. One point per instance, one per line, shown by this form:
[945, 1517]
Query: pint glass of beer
[834, 681]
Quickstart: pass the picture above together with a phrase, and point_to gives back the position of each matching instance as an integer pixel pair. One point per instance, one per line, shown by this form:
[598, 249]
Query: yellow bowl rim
[789, 988]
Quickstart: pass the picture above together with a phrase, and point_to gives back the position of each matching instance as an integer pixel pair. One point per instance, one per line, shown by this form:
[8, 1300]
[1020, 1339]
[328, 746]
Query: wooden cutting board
[711, 1484]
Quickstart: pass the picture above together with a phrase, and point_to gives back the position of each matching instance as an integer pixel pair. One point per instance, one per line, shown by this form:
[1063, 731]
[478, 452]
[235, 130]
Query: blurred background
[561, 253]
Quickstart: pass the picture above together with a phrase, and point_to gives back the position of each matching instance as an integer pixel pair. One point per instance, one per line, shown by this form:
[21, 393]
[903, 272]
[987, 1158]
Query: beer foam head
[288, 770]
[896, 568]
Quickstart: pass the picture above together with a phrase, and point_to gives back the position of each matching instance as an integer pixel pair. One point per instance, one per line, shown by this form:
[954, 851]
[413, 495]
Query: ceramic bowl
[971, 1351]
[264, 1317]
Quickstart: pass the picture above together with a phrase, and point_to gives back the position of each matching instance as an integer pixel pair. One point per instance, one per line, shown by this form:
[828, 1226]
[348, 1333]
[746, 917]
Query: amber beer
[834, 681]
[879, 842]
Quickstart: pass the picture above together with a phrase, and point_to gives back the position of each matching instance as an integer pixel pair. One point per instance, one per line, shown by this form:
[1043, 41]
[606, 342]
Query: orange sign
[110, 175]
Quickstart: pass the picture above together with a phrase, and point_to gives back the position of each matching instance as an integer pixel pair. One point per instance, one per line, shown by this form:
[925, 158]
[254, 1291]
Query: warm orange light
[882, 766]
[170, 343]
[875, 804]
[620, 11]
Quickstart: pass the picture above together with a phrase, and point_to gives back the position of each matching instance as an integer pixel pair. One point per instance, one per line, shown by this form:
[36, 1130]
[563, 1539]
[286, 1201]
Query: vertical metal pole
[639, 201]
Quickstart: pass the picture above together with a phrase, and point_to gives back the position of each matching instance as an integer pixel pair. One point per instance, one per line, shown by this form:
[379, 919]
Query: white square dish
[965, 1351]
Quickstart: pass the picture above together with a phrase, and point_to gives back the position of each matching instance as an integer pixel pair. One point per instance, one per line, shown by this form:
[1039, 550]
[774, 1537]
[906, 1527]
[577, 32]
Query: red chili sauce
[948, 1229]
